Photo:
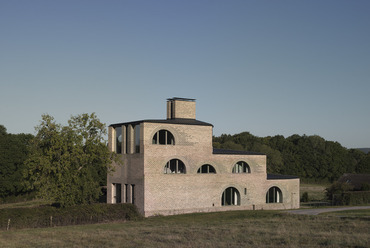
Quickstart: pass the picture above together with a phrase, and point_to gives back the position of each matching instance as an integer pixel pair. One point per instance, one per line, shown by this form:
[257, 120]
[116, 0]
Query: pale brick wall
[180, 109]
[159, 193]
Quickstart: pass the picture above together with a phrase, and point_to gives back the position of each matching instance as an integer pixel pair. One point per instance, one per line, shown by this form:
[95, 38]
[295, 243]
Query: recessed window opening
[137, 138]
[206, 169]
[230, 197]
[126, 194]
[117, 192]
[274, 195]
[241, 167]
[175, 166]
[118, 140]
[163, 137]
[133, 193]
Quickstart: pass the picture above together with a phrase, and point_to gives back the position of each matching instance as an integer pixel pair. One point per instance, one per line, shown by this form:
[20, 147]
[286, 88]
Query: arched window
[174, 166]
[241, 167]
[274, 195]
[206, 168]
[163, 137]
[230, 197]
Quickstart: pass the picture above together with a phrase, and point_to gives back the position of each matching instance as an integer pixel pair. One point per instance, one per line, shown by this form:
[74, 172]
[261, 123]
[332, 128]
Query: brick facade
[143, 178]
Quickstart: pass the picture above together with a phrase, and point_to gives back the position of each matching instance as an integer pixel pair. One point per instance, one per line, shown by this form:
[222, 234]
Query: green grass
[224, 229]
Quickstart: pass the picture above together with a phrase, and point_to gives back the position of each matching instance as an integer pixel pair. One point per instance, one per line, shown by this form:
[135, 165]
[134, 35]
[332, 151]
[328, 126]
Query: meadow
[223, 229]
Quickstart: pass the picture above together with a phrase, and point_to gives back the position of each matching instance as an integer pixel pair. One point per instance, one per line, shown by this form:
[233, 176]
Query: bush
[352, 198]
[47, 216]
[337, 188]
[304, 197]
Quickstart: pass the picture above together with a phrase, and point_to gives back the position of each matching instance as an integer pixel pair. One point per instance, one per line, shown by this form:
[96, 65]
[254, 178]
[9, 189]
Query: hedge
[352, 198]
[49, 216]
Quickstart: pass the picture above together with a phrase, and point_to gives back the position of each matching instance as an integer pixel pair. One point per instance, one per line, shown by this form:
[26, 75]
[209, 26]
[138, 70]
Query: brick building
[170, 167]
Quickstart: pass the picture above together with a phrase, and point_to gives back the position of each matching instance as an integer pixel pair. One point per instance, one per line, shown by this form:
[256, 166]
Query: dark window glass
[230, 197]
[118, 139]
[241, 167]
[206, 168]
[174, 166]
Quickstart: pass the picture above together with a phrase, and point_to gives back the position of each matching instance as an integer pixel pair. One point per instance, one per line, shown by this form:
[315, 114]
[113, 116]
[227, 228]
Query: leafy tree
[310, 157]
[13, 153]
[68, 164]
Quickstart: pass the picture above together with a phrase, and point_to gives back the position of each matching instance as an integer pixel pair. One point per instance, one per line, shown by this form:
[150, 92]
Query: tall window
[116, 192]
[206, 168]
[174, 166]
[137, 138]
[126, 194]
[133, 193]
[230, 197]
[274, 195]
[118, 139]
[241, 167]
[163, 137]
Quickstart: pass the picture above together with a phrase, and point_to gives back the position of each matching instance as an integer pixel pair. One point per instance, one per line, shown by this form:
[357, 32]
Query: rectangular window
[126, 193]
[118, 139]
[137, 138]
[133, 193]
[117, 193]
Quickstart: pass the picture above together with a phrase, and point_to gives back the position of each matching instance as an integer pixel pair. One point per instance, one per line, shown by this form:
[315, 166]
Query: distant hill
[365, 150]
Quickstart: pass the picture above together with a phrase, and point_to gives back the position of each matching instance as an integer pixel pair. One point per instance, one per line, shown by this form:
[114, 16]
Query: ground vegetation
[223, 229]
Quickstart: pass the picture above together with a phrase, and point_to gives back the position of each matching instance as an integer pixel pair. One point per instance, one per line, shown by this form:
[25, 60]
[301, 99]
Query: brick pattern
[159, 193]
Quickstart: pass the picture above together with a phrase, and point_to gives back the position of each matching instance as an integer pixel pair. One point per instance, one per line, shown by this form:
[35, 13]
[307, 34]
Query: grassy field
[227, 229]
[24, 204]
[316, 192]
[364, 214]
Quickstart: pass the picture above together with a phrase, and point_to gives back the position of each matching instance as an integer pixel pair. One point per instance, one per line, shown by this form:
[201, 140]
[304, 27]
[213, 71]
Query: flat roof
[280, 177]
[178, 121]
[234, 152]
[181, 99]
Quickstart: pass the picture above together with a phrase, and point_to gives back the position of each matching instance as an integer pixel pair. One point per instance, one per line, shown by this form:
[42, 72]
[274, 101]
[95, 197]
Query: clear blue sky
[266, 67]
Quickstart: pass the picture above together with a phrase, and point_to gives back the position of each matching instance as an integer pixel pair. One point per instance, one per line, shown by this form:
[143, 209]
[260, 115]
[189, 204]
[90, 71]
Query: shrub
[352, 198]
[337, 188]
[305, 197]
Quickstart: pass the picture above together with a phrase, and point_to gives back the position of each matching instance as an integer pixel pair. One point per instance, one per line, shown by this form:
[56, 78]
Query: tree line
[13, 153]
[309, 157]
[68, 164]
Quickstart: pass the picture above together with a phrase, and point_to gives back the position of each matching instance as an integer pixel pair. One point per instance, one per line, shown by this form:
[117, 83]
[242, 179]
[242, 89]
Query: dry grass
[316, 192]
[228, 229]
[24, 204]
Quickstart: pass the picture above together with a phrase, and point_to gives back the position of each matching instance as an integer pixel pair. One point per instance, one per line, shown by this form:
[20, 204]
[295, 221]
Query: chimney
[180, 108]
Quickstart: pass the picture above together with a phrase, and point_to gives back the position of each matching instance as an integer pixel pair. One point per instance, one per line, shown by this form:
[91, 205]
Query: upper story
[180, 137]
[180, 132]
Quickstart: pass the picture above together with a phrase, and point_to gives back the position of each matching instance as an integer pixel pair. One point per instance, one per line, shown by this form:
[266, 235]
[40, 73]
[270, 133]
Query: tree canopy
[13, 153]
[68, 164]
[310, 157]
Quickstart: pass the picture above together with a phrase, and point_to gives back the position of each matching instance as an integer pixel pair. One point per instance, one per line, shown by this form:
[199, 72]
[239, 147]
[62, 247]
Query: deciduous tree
[13, 153]
[68, 164]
